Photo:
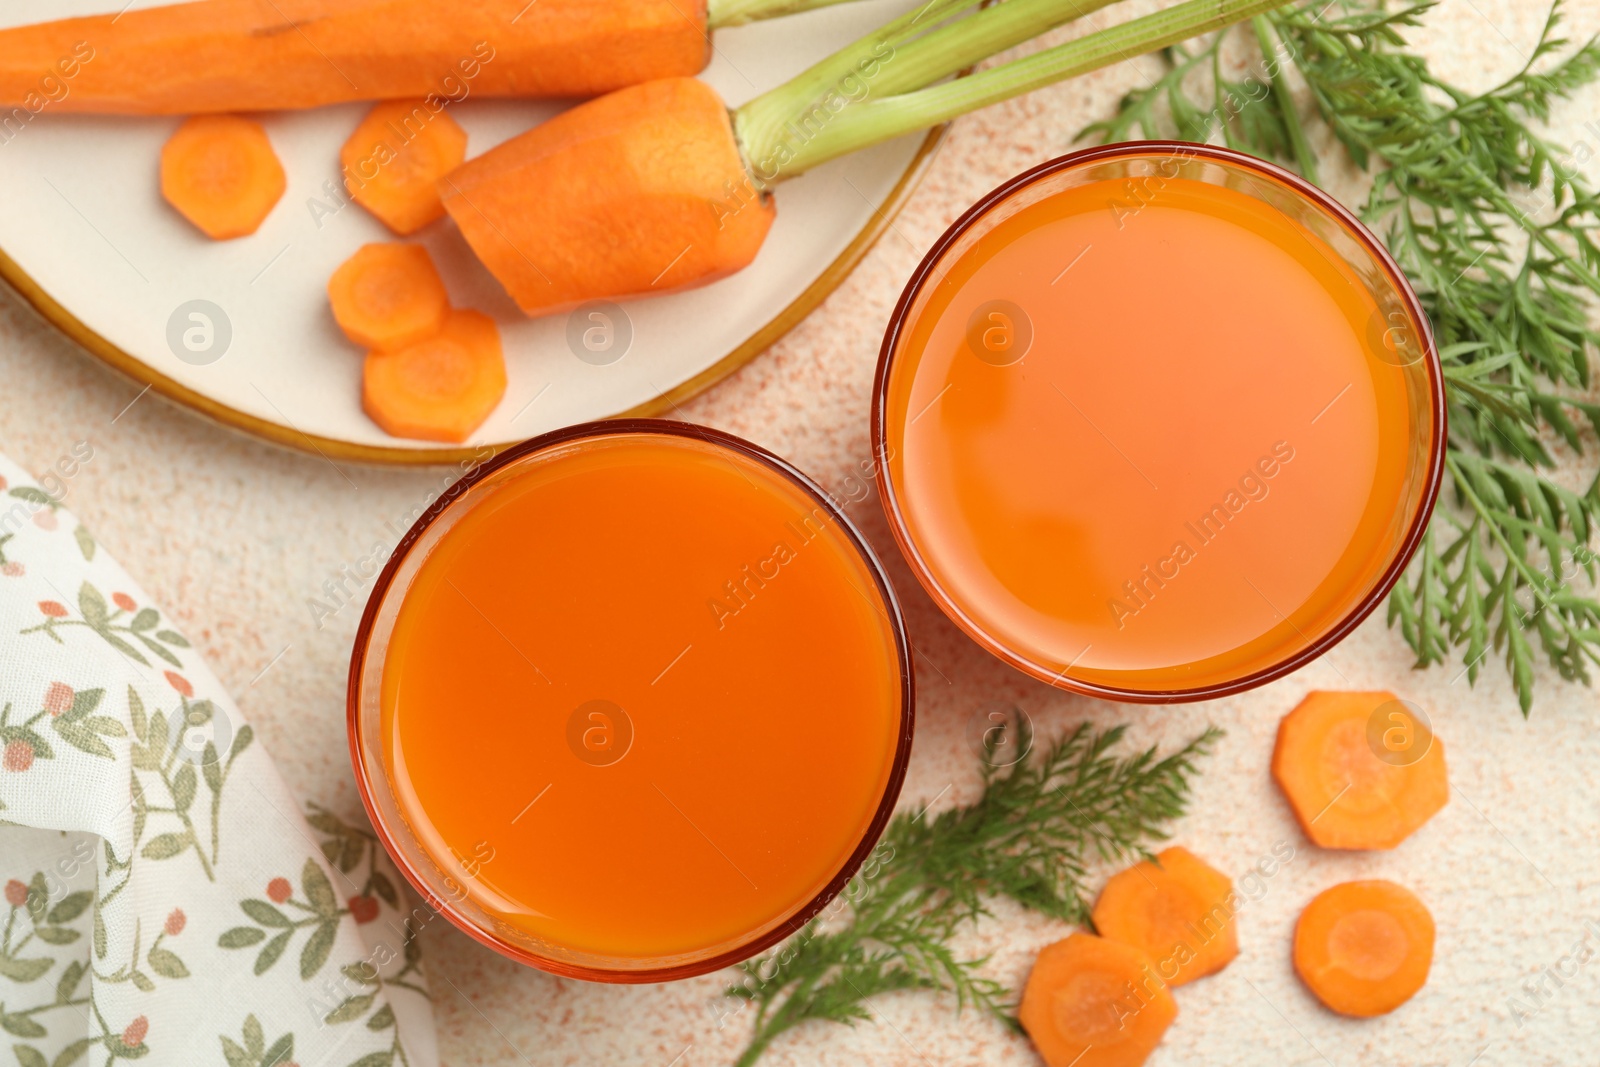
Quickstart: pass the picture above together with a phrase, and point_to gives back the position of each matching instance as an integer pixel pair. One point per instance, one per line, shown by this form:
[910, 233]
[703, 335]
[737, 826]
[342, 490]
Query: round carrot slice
[1360, 770]
[221, 173]
[396, 156]
[1177, 911]
[439, 389]
[1091, 1002]
[388, 296]
[1364, 948]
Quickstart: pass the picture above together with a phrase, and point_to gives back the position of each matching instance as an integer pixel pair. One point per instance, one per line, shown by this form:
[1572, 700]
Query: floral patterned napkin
[165, 898]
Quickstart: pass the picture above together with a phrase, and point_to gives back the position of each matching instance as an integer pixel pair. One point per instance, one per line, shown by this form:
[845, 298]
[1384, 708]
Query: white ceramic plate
[86, 237]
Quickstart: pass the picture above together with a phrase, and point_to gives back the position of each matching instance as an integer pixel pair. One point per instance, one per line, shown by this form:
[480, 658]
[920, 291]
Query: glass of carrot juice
[631, 702]
[1158, 422]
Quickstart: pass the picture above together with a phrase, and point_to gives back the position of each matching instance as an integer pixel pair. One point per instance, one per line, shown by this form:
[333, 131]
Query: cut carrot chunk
[1364, 948]
[388, 296]
[440, 389]
[1344, 796]
[221, 174]
[394, 160]
[1092, 1002]
[636, 193]
[1179, 913]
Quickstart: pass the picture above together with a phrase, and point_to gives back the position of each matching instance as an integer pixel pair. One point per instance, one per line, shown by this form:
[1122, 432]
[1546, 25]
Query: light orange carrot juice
[642, 706]
[1161, 423]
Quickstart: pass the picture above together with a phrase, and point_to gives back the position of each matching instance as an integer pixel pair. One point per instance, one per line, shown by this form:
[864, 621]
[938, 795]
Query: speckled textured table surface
[234, 537]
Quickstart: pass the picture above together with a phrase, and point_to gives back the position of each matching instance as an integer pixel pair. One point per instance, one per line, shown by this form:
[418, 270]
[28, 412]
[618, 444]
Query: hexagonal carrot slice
[1177, 910]
[388, 296]
[221, 174]
[1360, 770]
[1364, 948]
[394, 158]
[1092, 1002]
[439, 389]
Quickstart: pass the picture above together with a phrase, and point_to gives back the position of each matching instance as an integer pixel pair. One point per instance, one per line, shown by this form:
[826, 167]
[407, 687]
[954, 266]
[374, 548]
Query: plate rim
[286, 436]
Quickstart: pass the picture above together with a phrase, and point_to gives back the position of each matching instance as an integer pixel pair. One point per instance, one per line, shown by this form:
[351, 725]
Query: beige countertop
[235, 537]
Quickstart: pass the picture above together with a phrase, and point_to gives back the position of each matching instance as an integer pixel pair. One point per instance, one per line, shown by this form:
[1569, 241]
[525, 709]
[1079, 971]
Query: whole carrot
[654, 188]
[264, 55]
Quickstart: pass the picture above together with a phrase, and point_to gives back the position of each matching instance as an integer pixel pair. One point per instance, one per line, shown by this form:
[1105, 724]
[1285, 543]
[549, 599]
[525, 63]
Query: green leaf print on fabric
[161, 960]
[320, 913]
[347, 848]
[364, 974]
[35, 496]
[107, 620]
[127, 1044]
[32, 922]
[68, 712]
[254, 1051]
[357, 1004]
[161, 750]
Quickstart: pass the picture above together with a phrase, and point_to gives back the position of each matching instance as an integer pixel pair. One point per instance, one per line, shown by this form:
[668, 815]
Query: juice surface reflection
[1198, 465]
[641, 699]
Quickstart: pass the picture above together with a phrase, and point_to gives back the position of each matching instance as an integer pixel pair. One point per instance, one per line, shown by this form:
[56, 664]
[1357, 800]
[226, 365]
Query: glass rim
[1407, 546]
[365, 772]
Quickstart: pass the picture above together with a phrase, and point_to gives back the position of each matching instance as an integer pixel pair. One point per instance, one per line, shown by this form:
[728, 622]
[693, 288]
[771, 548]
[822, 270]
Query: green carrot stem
[1303, 155]
[771, 111]
[784, 133]
[720, 13]
[928, 43]
[962, 43]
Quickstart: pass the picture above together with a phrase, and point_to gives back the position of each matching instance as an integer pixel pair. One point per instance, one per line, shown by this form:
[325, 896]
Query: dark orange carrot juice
[643, 704]
[1159, 423]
